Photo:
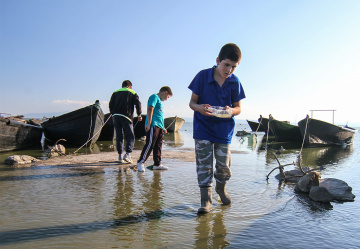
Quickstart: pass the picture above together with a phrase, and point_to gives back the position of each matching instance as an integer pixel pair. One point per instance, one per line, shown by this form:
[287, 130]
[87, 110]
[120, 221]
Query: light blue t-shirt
[158, 115]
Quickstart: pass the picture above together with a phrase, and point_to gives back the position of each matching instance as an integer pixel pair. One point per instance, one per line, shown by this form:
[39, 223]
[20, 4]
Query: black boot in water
[206, 200]
[224, 196]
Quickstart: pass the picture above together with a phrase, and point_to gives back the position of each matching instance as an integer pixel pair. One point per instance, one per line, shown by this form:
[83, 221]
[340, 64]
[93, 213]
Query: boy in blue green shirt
[154, 128]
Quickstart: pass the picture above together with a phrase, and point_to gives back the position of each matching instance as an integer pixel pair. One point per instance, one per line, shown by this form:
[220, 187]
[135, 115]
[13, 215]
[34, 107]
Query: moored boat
[78, 127]
[15, 135]
[255, 126]
[139, 126]
[173, 124]
[320, 133]
[283, 131]
[265, 125]
[107, 132]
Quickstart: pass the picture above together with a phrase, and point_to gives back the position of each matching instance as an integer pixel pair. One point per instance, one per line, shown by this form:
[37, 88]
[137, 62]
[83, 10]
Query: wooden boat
[77, 127]
[173, 123]
[16, 135]
[283, 131]
[107, 132]
[255, 126]
[321, 133]
[265, 125]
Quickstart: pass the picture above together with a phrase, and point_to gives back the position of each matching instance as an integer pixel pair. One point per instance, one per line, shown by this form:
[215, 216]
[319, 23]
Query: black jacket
[123, 101]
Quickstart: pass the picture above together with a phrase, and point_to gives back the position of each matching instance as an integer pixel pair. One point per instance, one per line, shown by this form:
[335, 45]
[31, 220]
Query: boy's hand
[165, 131]
[228, 107]
[147, 128]
[203, 109]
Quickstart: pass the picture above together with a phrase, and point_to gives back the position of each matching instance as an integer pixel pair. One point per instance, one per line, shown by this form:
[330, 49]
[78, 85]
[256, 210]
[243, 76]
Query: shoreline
[109, 159]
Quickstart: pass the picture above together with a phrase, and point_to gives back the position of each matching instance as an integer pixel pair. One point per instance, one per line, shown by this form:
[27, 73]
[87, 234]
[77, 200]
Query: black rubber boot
[206, 200]
[224, 196]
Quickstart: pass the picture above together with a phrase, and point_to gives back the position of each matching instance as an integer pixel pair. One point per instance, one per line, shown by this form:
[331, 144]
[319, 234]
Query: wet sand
[109, 159]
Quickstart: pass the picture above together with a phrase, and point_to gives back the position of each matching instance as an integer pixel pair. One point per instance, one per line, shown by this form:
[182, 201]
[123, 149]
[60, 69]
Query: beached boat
[107, 132]
[77, 127]
[320, 133]
[139, 126]
[15, 135]
[173, 123]
[265, 125]
[255, 126]
[283, 131]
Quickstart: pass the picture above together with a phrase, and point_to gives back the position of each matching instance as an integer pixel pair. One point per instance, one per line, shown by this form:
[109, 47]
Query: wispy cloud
[71, 102]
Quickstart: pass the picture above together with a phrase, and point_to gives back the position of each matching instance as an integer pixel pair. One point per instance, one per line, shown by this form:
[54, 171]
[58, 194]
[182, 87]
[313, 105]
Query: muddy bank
[105, 159]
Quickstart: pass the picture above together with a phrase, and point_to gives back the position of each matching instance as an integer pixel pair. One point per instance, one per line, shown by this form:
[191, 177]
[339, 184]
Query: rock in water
[338, 188]
[307, 182]
[20, 160]
[320, 194]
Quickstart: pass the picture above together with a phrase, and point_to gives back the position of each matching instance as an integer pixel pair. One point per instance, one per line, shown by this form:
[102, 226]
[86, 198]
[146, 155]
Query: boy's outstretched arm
[199, 108]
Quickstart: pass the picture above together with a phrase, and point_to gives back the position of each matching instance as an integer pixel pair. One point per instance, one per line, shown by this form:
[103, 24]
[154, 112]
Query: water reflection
[252, 141]
[317, 157]
[174, 139]
[324, 156]
[211, 231]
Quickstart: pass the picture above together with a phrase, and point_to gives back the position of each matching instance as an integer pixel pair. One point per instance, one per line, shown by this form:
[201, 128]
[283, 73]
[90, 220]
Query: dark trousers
[124, 129]
[154, 139]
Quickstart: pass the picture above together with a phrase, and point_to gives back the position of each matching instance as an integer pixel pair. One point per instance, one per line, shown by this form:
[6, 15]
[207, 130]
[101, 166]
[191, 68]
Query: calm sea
[62, 207]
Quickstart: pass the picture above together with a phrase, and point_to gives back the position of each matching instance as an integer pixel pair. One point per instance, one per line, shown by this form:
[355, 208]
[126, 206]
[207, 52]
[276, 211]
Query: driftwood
[282, 172]
[281, 168]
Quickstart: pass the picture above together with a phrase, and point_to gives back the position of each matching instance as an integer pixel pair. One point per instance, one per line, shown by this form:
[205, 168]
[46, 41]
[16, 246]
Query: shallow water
[62, 207]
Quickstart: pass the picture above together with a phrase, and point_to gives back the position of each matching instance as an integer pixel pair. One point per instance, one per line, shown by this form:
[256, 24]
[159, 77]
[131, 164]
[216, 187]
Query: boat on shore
[173, 124]
[139, 126]
[107, 132]
[78, 127]
[284, 131]
[320, 133]
[16, 135]
[255, 126]
[264, 122]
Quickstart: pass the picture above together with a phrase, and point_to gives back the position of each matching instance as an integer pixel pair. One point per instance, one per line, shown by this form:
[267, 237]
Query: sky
[60, 55]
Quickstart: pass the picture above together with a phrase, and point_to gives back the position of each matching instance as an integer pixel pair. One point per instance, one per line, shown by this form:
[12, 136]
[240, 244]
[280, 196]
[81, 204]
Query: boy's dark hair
[126, 83]
[166, 88]
[230, 51]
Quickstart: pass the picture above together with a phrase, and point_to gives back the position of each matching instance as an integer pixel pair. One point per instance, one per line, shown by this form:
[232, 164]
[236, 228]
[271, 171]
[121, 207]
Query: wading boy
[216, 86]
[154, 128]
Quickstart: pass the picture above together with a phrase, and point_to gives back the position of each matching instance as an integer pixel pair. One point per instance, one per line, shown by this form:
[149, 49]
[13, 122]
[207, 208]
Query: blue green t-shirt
[158, 115]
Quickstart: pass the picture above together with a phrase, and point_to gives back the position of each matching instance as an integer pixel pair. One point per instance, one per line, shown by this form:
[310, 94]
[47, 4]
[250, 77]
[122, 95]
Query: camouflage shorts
[204, 151]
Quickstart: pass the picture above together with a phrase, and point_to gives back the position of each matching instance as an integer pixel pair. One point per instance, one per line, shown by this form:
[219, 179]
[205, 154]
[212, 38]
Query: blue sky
[60, 55]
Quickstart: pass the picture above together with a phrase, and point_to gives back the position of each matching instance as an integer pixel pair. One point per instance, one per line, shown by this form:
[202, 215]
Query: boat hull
[173, 125]
[139, 127]
[321, 133]
[284, 131]
[107, 132]
[255, 126]
[15, 135]
[77, 127]
[265, 125]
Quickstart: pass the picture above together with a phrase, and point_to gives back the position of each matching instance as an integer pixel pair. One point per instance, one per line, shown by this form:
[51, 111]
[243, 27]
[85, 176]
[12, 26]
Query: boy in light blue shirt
[154, 128]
